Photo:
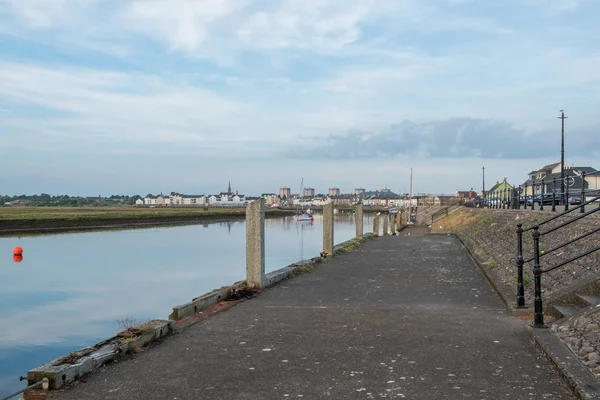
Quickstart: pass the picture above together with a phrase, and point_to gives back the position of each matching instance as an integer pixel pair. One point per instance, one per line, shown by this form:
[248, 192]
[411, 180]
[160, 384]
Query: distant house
[139, 202]
[466, 194]
[548, 179]
[500, 190]
[270, 198]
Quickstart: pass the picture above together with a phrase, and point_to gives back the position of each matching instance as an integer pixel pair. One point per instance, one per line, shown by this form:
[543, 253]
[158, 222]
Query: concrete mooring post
[392, 224]
[376, 225]
[255, 244]
[385, 225]
[328, 229]
[359, 220]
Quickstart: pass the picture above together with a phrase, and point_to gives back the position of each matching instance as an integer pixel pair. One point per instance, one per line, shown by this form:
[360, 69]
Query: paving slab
[405, 316]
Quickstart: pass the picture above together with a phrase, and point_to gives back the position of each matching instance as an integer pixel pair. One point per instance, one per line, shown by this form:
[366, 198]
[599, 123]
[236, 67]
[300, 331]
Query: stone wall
[491, 237]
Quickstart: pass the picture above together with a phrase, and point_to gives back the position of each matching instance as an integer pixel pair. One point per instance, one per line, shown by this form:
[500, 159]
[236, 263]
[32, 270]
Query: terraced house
[547, 179]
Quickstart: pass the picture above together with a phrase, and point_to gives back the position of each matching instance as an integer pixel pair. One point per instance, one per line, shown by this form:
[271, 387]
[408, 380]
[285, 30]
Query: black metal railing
[436, 216]
[537, 232]
[544, 194]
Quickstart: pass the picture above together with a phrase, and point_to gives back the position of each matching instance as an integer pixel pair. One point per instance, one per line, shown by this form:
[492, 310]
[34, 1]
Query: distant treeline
[46, 200]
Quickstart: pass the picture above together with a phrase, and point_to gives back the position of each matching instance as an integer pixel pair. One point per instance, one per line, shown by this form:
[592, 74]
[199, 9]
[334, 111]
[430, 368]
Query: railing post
[538, 316]
[328, 229]
[553, 194]
[520, 262]
[533, 195]
[566, 194]
[582, 209]
[358, 216]
[255, 244]
[385, 225]
[543, 192]
[376, 225]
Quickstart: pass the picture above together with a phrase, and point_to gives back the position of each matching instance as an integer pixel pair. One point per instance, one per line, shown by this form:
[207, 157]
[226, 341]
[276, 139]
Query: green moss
[491, 264]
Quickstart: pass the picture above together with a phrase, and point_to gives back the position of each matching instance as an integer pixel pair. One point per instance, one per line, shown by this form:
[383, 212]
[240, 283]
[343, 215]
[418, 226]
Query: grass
[92, 213]
[491, 264]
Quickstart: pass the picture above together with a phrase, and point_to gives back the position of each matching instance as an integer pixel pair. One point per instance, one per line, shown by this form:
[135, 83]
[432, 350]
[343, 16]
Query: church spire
[229, 187]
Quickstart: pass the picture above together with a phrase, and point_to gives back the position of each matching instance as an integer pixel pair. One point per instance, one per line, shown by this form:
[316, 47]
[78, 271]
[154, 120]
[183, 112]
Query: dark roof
[191, 196]
[587, 170]
[550, 166]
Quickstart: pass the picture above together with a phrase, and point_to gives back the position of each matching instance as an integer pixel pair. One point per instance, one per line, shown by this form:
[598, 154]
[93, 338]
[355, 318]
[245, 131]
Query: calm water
[71, 289]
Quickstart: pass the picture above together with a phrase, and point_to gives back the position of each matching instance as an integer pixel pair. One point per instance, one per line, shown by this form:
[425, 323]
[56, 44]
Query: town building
[308, 192]
[333, 192]
[548, 180]
[285, 193]
[270, 199]
[500, 190]
[359, 191]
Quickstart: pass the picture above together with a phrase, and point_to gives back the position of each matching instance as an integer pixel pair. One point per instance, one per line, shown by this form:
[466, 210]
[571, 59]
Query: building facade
[333, 192]
[285, 193]
[308, 192]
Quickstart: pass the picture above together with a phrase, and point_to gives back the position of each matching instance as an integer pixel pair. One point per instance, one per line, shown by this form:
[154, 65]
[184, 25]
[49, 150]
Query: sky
[148, 96]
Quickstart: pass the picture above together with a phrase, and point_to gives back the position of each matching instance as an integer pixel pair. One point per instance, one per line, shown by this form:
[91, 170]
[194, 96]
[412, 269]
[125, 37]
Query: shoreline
[57, 223]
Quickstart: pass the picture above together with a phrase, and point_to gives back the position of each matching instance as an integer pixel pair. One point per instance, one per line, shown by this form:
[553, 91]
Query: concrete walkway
[399, 317]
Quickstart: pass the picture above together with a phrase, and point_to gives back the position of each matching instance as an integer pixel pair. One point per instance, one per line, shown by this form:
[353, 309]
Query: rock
[591, 327]
[594, 357]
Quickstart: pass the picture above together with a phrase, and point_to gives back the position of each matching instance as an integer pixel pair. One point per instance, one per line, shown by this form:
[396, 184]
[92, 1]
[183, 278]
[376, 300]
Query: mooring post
[393, 224]
[255, 244]
[376, 225]
[359, 220]
[385, 225]
[538, 316]
[328, 229]
[520, 262]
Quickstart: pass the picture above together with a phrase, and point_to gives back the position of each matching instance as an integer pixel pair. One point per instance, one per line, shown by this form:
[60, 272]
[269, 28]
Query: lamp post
[562, 156]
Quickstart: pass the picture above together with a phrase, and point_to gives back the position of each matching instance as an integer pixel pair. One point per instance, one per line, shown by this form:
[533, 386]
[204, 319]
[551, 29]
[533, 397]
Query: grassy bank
[115, 213]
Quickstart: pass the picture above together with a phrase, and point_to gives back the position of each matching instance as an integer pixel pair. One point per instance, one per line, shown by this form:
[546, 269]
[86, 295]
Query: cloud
[249, 80]
[453, 138]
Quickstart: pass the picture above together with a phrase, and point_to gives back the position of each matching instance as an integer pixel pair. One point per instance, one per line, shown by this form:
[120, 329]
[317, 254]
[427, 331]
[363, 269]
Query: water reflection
[73, 287]
[17, 258]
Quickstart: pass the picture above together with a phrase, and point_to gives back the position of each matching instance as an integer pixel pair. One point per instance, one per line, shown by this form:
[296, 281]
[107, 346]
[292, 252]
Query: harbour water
[70, 290]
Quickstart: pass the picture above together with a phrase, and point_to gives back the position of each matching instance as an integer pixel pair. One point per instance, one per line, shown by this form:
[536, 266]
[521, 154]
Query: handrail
[564, 213]
[569, 222]
[537, 270]
[45, 383]
[577, 257]
[564, 245]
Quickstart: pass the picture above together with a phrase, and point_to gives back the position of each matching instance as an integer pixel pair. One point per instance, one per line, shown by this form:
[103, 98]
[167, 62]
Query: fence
[539, 230]
[544, 192]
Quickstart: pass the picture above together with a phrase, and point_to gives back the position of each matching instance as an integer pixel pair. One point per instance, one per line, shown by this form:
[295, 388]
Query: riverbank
[21, 220]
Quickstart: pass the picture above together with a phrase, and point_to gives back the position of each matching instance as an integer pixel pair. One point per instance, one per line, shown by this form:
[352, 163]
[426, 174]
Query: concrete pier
[359, 220]
[328, 229]
[255, 244]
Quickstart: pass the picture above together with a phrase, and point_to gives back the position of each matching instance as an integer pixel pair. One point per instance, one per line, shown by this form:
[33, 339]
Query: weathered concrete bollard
[328, 229]
[359, 220]
[398, 222]
[376, 225]
[255, 244]
[385, 225]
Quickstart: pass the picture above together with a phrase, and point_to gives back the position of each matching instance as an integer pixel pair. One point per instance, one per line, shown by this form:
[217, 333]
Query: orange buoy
[17, 258]
[18, 251]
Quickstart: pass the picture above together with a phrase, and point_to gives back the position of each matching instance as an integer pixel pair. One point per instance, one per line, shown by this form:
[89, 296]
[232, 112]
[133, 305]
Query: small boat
[305, 217]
